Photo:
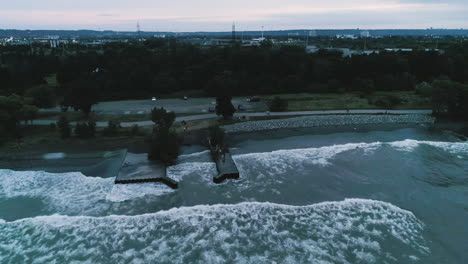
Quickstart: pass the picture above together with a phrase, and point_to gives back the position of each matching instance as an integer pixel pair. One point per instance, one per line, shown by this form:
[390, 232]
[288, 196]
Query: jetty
[158, 174]
[225, 165]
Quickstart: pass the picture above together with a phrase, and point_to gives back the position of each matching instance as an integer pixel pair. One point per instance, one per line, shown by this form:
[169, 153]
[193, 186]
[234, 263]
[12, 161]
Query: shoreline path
[257, 114]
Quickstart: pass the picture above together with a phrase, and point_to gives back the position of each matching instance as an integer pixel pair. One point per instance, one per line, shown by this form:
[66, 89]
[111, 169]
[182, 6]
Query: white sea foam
[66, 193]
[74, 193]
[297, 157]
[351, 231]
[452, 147]
[203, 170]
[125, 192]
[281, 160]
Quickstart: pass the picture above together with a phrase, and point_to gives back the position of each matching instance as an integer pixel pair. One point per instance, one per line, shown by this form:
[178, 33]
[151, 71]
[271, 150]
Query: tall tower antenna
[138, 28]
[365, 43]
[262, 31]
[233, 31]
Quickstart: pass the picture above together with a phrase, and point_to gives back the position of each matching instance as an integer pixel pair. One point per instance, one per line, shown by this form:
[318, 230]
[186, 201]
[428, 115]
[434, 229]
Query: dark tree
[43, 96]
[278, 104]
[164, 145]
[450, 98]
[224, 107]
[162, 117]
[217, 136]
[85, 129]
[388, 102]
[82, 94]
[13, 110]
[5, 81]
[64, 127]
[111, 130]
[28, 113]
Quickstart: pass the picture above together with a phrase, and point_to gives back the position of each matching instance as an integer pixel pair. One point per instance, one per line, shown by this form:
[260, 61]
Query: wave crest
[350, 231]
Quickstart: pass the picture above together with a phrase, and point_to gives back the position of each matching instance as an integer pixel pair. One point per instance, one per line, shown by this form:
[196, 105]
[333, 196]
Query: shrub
[278, 105]
[42, 96]
[63, 108]
[217, 136]
[424, 89]
[135, 131]
[164, 145]
[85, 130]
[64, 127]
[364, 85]
[388, 102]
[111, 130]
[224, 107]
[162, 117]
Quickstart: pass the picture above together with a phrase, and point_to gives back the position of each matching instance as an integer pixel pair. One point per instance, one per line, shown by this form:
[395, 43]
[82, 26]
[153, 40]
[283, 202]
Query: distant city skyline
[212, 15]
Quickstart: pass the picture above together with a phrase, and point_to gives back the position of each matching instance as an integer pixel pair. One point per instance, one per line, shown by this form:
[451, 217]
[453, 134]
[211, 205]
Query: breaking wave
[67, 193]
[71, 193]
[323, 155]
[350, 231]
[74, 193]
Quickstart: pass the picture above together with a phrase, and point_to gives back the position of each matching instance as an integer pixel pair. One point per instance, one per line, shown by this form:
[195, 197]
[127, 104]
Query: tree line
[164, 67]
[161, 67]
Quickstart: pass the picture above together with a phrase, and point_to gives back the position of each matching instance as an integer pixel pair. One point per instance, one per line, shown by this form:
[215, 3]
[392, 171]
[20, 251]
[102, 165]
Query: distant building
[344, 51]
[365, 34]
[346, 36]
[312, 33]
[259, 39]
[396, 50]
[53, 43]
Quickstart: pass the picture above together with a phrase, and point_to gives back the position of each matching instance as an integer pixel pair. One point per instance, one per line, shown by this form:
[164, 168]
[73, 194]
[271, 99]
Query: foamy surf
[66, 193]
[71, 193]
[201, 170]
[351, 231]
[322, 155]
[125, 192]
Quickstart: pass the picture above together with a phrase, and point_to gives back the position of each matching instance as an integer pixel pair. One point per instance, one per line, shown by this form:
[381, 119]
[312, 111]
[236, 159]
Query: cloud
[189, 15]
[107, 15]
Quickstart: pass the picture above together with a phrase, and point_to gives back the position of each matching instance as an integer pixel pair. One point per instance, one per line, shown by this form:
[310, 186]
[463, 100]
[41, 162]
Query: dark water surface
[397, 196]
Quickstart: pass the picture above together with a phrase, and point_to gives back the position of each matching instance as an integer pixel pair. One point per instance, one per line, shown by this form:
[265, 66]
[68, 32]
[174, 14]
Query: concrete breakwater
[131, 172]
[162, 178]
[226, 167]
[327, 120]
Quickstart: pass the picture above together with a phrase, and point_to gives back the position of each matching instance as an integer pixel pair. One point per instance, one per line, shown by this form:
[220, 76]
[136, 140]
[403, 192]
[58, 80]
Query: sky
[219, 15]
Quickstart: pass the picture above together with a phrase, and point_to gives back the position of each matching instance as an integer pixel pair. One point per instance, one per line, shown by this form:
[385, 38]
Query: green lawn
[308, 101]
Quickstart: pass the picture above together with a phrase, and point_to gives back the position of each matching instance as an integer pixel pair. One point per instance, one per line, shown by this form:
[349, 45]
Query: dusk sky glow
[218, 15]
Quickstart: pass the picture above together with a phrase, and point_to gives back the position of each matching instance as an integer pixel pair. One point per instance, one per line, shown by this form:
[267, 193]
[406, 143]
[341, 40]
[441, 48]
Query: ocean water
[374, 197]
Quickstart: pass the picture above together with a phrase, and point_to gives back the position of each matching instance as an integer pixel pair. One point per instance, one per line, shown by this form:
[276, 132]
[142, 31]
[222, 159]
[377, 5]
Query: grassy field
[45, 139]
[296, 102]
[309, 102]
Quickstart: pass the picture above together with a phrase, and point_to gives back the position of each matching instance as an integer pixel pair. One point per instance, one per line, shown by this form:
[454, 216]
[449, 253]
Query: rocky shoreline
[327, 121]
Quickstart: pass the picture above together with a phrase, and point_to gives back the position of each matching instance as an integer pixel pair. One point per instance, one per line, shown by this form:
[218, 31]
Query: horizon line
[214, 31]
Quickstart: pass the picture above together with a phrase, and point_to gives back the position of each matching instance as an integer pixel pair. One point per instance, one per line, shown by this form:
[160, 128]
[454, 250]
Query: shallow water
[376, 197]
